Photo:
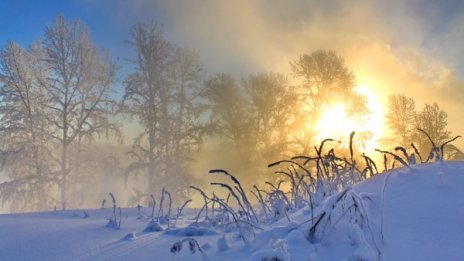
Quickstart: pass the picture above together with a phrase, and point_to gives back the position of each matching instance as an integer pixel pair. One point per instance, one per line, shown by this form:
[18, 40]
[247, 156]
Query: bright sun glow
[336, 123]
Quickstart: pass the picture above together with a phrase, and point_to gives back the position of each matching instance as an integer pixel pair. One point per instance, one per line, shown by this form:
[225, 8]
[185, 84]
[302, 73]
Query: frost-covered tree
[78, 89]
[252, 120]
[404, 121]
[229, 110]
[187, 123]
[401, 118]
[164, 95]
[325, 80]
[433, 120]
[142, 97]
[26, 151]
[233, 138]
[272, 106]
[55, 99]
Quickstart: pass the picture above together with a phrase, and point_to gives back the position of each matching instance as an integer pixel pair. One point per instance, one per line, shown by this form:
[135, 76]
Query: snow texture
[422, 208]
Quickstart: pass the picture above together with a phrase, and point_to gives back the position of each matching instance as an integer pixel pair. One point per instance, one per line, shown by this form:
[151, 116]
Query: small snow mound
[192, 230]
[153, 226]
[268, 255]
[112, 223]
[131, 236]
[363, 250]
[296, 237]
[222, 244]
[163, 220]
[276, 232]
[206, 246]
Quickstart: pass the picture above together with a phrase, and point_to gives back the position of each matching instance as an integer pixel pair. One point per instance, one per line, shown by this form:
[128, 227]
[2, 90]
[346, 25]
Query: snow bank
[419, 212]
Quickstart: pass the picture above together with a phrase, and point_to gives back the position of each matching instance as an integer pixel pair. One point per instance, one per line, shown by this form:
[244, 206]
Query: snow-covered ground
[421, 210]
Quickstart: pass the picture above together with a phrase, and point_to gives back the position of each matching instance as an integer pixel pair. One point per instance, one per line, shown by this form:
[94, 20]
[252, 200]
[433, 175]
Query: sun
[336, 123]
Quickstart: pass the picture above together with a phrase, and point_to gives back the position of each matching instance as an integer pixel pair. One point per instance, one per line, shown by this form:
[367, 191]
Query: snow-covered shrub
[270, 255]
[167, 217]
[245, 204]
[349, 206]
[222, 244]
[363, 250]
[153, 206]
[160, 209]
[153, 226]
[179, 211]
[192, 230]
[113, 221]
[320, 185]
[205, 205]
[139, 211]
[131, 236]
[193, 247]
[279, 204]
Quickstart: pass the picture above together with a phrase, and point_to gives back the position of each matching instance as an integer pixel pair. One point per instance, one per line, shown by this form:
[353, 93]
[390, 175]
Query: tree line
[57, 100]
[411, 127]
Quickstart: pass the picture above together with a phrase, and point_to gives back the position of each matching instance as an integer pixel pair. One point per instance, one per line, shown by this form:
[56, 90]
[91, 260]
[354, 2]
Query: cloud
[412, 47]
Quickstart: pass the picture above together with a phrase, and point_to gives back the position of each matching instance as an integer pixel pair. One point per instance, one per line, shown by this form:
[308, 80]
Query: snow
[419, 211]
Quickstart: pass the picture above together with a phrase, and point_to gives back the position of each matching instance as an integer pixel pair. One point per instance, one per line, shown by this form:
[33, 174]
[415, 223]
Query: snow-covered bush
[153, 226]
[113, 221]
[222, 244]
[193, 247]
[320, 185]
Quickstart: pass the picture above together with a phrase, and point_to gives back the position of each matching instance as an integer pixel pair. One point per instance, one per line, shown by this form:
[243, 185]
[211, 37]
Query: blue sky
[109, 21]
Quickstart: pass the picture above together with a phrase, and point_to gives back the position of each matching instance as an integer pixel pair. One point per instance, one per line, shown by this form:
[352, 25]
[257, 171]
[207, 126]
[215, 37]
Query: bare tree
[78, 88]
[325, 80]
[55, 100]
[401, 118]
[272, 104]
[163, 94]
[188, 124]
[26, 154]
[229, 111]
[404, 121]
[433, 120]
[252, 120]
[143, 94]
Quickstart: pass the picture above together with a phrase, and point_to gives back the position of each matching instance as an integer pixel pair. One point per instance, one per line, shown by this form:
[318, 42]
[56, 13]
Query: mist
[408, 47]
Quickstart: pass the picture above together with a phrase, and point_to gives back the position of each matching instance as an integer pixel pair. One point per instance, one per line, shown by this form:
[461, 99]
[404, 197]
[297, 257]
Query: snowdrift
[411, 213]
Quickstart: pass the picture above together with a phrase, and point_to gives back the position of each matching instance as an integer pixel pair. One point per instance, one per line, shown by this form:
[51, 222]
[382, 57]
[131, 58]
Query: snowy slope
[422, 209]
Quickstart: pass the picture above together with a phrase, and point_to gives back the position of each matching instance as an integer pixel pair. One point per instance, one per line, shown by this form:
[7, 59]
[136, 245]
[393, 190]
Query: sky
[414, 47]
